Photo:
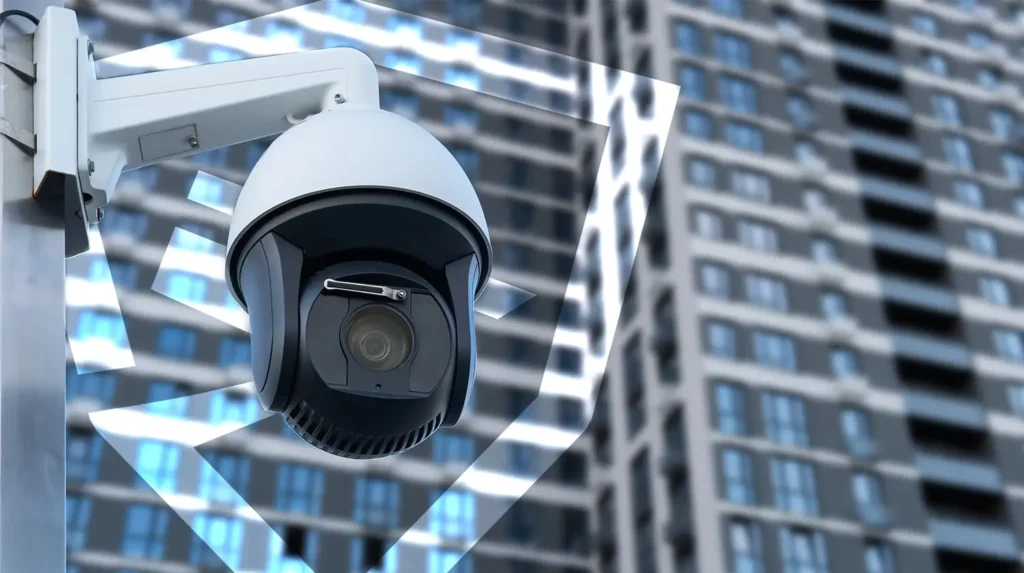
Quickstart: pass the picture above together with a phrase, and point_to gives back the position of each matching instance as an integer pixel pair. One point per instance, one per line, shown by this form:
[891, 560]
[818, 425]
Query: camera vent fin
[320, 432]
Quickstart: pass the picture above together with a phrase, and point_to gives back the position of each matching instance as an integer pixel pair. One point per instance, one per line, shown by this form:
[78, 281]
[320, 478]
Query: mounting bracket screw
[193, 142]
[92, 167]
[338, 98]
[91, 48]
[99, 214]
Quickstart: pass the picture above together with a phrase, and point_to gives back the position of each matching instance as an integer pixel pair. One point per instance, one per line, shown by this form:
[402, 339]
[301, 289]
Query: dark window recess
[851, 75]
[879, 123]
[863, 40]
[295, 541]
[888, 168]
[910, 267]
[890, 214]
[373, 552]
[925, 321]
[636, 11]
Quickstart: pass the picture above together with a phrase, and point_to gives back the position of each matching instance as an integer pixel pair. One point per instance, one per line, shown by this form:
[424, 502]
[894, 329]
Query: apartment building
[819, 365]
[172, 330]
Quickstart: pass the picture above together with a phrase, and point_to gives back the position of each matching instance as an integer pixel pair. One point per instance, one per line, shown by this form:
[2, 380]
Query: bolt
[193, 142]
[99, 214]
[91, 48]
[92, 167]
[400, 294]
[338, 98]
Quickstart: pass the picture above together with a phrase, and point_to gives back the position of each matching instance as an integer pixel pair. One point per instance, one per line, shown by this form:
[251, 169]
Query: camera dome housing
[368, 198]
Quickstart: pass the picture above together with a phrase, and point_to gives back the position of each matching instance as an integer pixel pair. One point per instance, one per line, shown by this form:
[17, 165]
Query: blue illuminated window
[120, 221]
[730, 403]
[230, 302]
[77, 510]
[224, 478]
[721, 340]
[284, 33]
[520, 459]
[228, 408]
[697, 124]
[123, 274]
[439, 561]
[83, 456]
[156, 464]
[193, 238]
[256, 150]
[568, 360]
[687, 38]
[234, 352]
[180, 9]
[462, 116]
[775, 350]
[744, 136]
[299, 489]
[738, 94]
[186, 287]
[694, 82]
[462, 77]
[732, 8]
[98, 386]
[400, 101]
[164, 400]
[166, 46]
[469, 159]
[341, 42]
[463, 41]
[218, 539]
[218, 54]
[465, 12]
[205, 189]
[453, 515]
[347, 10]
[377, 501]
[405, 25]
[145, 530]
[404, 62]
[452, 447]
[176, 342]
[92, 324]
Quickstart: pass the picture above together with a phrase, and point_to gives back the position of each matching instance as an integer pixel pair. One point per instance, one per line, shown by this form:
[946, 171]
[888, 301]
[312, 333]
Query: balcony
[886, 146]
[855, 389]
[830, 272]
[959, 472]
[823, 219]
[858, 20]
[920, 295]
[924, 348]
[877, 102]
[898, 194]
[842, 328]
[1009, 93]
[908, 243]
[869, 61]
[991, 541]
[948, 410]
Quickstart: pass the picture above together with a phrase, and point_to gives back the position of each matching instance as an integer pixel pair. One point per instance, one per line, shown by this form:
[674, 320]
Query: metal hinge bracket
[22, 67]
[24, 139]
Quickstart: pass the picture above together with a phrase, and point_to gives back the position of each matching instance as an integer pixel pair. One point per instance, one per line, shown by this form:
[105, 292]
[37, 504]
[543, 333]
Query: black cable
[8, 13]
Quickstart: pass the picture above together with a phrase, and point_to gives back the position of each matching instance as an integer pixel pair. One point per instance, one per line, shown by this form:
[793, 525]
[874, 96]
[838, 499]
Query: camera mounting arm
[93, 129]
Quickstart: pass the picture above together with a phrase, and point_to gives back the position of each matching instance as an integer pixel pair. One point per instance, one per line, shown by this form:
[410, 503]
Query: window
[824, 250]
[224, 478]
[995, 290]
[93, 386]
[958, 153]
[697, 124]
[92, 325]
[867, 494]
[453, 515]
[709, 225]
[751, 185]
[745, 546]
[520, 459]
[785, 419]
[844, 363]
[292, 548]
[377, 501]
[732, 8]
[733, 50]
[156, 465]
[989, 78]
[1009, 344]
[924, 24]
[794, 486]
[806, 152]
[568, 360]
[465, 12]
[714, 281]
[702, 173]
[462, 77]
[803, 551]
[694, 82]
[878, 558]
[233, 408]
[721, 339]
[981, 242]
[801, 112]
[401, 102]
[346, 10]
[176, 342]
[815, 199]
[730, 402]
[1002, 123]
[234, 352]
[457, 115]
[370, 553]
[145, 528]
[738, 477]
[834, 305]
[767, 292]
[687, 38]
[1013, 166]
[300, 489]
[83, 456]
[1015, 395]
[121, 274]
[285, 34]
[775, 350]
[969, 193]
[758, 236]
[792, 65]
[856, 429]
[218, 539]
[744, 136]
[164, 400]
[469, 159]
[979, 39]
[946, 109]
[737, 94]
[77, 510]
[451, 447]
[1018, 206]
[936, 63]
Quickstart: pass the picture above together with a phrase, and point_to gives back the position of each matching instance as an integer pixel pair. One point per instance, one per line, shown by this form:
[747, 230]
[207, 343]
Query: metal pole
[32, 334]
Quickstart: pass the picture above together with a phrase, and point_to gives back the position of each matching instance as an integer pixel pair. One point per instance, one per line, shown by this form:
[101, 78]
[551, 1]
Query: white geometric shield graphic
[124, 428]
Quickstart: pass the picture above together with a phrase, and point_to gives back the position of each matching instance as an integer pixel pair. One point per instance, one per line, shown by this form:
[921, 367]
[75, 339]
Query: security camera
[358, 245]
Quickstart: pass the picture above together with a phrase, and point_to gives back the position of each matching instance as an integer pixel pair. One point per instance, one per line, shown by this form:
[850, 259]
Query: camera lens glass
[379, 338]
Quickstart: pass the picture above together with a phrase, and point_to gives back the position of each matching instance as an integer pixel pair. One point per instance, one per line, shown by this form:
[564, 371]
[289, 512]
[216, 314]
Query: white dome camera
[358, 245]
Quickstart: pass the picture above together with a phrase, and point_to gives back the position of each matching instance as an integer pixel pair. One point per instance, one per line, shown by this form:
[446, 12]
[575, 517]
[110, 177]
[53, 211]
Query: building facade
[498, 106]
[819, 362]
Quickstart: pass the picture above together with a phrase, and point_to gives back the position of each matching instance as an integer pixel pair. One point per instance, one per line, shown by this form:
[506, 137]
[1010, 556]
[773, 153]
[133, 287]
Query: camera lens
[379, 338]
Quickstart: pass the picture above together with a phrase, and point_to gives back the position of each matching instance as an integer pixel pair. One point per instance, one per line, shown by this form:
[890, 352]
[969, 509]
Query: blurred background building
[819, 362]
[162, 237]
